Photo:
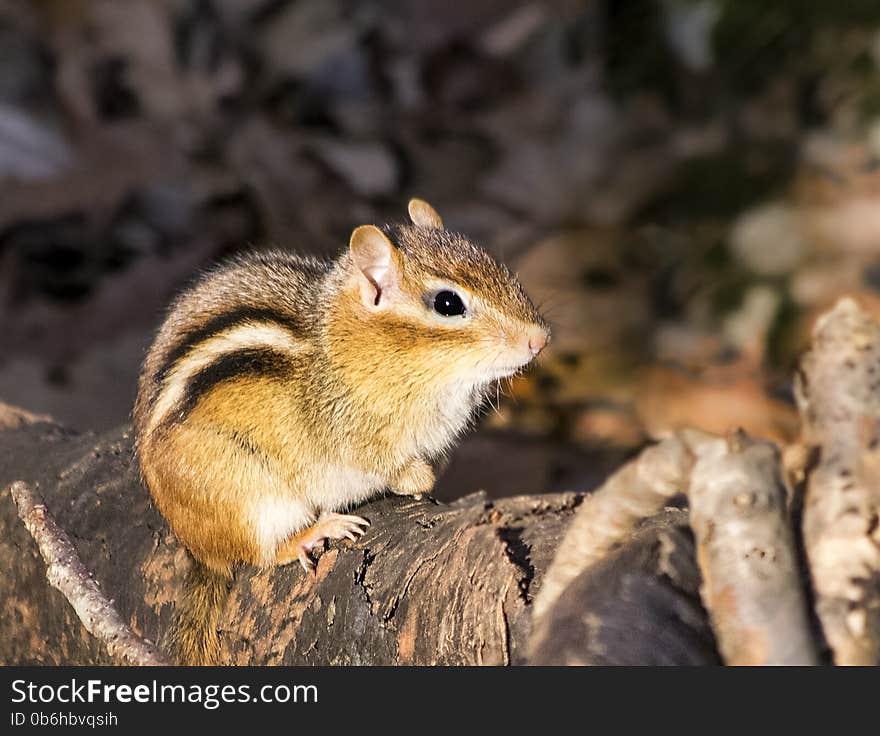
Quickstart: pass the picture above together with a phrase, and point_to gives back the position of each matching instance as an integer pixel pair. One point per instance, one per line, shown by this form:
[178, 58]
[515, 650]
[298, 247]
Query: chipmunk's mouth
[515, 355]
[505, 371]
[500, 373]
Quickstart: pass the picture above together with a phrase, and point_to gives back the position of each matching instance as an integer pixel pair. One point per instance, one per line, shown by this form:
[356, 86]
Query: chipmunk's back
[249, 302]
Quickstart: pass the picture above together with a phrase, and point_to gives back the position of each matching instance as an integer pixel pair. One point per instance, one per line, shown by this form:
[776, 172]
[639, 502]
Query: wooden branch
[839, 397]
[639, 605]
[609, 563]
[752, 585]
[639, 490]
[66, 573]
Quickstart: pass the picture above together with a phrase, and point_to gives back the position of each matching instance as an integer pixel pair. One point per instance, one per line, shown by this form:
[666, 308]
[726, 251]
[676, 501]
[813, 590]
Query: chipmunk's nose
[538, 340]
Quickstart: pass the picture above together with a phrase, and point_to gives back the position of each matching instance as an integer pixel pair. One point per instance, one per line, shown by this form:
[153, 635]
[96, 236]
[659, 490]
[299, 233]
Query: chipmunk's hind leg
[225, 503]
[328, 526]
[416, 479]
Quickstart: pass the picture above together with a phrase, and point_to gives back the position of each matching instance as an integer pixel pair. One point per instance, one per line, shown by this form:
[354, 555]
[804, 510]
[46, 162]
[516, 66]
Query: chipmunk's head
[436, 307]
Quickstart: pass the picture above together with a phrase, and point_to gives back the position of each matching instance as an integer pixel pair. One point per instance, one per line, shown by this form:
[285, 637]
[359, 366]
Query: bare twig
[745, 549]
[637, 491]
[839, 397]
[66, 572]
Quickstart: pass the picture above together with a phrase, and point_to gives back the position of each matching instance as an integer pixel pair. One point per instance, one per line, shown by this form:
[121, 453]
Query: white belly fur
[275, 519]
[338, 488]
[332, 488]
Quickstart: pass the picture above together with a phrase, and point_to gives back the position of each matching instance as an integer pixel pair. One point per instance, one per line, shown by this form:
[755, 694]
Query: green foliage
[723, 184]
[755, 40]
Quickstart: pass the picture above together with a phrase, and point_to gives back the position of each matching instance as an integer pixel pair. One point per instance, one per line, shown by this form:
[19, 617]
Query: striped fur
[248, 348]
[221, 324]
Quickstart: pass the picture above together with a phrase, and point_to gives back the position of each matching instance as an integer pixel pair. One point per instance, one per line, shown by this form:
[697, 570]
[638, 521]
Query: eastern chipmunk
[282, 390]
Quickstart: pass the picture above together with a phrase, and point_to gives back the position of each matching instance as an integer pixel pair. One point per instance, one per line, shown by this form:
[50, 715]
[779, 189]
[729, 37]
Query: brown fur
[194, 639]
[279, 384]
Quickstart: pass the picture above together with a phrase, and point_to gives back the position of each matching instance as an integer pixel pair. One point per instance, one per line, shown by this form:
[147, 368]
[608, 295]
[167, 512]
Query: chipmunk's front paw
[416, 479]
[328, 526]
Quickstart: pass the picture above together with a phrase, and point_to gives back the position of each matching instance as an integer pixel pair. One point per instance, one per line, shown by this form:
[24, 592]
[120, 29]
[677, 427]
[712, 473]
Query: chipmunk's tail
[193, 639]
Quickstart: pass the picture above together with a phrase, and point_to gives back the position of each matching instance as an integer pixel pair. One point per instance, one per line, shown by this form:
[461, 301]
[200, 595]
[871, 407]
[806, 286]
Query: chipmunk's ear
[423, 215]
[374, 254]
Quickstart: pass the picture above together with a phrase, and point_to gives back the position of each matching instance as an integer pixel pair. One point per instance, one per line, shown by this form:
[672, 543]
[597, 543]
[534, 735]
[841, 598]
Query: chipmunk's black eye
[449, 304]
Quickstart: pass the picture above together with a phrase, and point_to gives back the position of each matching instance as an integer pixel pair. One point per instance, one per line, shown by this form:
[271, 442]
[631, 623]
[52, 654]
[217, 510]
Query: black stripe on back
[214, 327]
[263, 362]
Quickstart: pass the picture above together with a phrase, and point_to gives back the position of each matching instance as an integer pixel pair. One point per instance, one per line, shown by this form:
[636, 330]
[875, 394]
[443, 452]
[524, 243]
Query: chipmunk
[283, 390]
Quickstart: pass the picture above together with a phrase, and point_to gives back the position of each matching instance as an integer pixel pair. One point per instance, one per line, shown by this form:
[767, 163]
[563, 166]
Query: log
[594, 620]
[608, 516]
[428, 584]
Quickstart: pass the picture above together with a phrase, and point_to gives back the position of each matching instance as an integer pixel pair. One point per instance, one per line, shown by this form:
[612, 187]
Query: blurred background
[682, 184]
